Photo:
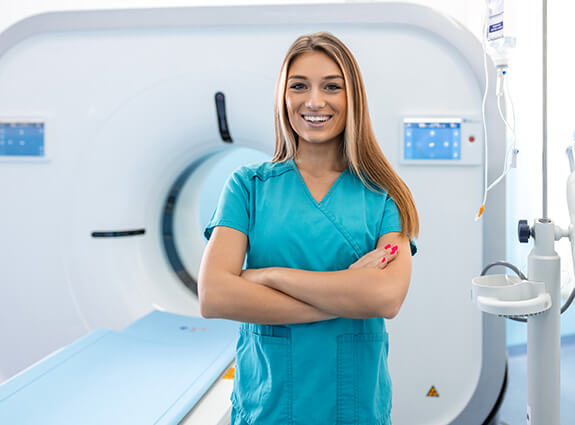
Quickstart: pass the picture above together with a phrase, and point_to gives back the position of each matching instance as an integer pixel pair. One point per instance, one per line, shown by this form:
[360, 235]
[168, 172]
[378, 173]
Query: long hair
[359, 148]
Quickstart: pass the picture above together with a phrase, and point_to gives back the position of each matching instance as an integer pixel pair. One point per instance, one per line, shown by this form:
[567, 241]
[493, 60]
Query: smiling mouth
[317, 120]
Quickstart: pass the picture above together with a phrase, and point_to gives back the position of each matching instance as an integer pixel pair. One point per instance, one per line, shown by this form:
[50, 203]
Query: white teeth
[316, 118]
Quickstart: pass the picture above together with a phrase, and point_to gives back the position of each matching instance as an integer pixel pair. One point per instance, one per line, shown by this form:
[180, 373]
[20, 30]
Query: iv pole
[543, 331]
[536, 299]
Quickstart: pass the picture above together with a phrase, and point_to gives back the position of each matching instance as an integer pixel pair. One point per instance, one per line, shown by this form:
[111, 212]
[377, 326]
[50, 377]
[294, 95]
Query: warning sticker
[229, 374]
[432, 392]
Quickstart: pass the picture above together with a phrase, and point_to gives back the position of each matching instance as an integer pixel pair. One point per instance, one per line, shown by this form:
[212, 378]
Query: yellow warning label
[229, 374]
[432, 392]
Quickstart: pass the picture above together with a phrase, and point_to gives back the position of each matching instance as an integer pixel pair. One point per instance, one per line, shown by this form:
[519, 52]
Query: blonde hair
[360, 148]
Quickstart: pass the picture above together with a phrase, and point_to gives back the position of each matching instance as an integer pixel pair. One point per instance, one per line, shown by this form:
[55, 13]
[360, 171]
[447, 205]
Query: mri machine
[123, 152]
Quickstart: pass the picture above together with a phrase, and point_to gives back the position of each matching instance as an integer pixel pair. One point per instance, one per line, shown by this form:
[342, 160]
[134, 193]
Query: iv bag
[494, 20]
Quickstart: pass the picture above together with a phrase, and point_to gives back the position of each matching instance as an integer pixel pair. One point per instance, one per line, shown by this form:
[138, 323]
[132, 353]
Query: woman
[326, 226]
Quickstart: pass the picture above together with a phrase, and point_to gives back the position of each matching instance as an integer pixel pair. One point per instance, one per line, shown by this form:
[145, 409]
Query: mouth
[316, 120]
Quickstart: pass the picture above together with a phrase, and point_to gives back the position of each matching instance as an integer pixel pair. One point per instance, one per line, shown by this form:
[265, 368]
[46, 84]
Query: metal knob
[524, 231]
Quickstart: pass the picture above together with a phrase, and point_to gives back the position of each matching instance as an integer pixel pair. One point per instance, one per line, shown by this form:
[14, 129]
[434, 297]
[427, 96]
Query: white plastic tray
[506, 295]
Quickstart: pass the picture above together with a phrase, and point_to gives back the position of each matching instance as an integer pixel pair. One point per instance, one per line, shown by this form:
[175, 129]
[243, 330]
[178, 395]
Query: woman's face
[315, 98]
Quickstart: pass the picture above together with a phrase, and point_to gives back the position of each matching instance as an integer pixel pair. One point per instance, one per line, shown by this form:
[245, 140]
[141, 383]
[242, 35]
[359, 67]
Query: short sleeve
[391, 222]
[232, 210]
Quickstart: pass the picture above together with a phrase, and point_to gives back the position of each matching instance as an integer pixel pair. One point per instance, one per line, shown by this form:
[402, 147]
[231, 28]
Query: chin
[315, 139]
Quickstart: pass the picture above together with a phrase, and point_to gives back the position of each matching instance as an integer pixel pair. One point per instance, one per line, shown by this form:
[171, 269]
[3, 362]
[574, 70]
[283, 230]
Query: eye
[298, 86]
[332, 87]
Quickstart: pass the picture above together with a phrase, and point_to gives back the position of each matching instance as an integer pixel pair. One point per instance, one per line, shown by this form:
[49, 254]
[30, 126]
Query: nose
[315, 100]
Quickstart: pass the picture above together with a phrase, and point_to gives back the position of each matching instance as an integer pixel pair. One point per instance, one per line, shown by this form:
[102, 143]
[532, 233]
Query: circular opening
[190, 204]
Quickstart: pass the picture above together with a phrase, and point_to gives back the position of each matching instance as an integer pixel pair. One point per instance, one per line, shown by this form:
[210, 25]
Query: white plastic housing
[509, 295]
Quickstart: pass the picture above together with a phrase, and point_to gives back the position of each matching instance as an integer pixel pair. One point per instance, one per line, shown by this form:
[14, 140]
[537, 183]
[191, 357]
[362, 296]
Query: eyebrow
[301, 77]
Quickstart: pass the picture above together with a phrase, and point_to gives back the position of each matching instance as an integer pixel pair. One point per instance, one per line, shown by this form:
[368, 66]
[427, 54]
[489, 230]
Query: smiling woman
[315, 99]
[326, 226]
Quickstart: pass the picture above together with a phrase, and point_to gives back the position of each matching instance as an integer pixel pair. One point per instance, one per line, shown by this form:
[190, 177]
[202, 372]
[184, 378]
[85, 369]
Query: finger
[368, 259]
[391, 248]
[383, 263]
[375, 258]
[387, 258]
[392, 253]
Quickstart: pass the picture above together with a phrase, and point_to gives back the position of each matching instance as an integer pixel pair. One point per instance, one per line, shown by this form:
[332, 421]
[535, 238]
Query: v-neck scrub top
[332, 372]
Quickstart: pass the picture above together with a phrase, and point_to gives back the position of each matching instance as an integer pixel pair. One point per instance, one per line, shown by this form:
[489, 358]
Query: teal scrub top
[329, 372]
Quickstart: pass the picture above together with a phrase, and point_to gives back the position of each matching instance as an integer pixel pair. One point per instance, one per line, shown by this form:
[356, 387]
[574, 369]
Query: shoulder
[262, 170]
[371, 192]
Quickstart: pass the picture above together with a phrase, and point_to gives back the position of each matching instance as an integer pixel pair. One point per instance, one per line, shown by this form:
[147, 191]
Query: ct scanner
[103, 207]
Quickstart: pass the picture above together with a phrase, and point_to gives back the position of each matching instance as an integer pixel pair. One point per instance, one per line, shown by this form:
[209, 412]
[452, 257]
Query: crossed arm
[368, 288]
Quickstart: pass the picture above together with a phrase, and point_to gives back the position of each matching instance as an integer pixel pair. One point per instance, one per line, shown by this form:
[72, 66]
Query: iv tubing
[486, 72]
[512, 148]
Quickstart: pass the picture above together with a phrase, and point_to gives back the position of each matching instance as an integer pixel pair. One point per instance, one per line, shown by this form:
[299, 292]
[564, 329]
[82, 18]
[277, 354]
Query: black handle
[118, 233]
[222, 119]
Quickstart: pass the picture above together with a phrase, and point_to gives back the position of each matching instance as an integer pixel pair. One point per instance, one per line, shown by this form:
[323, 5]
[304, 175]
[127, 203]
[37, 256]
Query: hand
[255, 275]
[378, 258]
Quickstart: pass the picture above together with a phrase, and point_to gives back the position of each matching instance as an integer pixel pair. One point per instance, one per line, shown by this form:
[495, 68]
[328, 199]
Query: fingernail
[383, 260]
[387, 246]
[394, 250]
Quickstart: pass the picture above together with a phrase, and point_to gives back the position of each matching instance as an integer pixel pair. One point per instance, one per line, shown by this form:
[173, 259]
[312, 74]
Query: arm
[355, 293]
[224, 294]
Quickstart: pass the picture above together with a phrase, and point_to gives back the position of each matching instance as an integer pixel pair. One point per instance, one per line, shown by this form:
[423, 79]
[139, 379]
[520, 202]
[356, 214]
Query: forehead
[315, 64]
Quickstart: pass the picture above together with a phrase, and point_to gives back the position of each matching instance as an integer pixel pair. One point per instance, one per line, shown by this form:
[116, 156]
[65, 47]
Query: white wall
[523, 19]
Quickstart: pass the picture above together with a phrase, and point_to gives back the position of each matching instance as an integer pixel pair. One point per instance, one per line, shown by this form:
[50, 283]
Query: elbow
[385, 307]
[391, 310]
[208, 307]
[391, 301]
[214, 296]
[206, 312]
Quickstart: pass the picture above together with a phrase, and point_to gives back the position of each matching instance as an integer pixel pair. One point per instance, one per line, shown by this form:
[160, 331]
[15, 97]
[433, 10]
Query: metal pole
[544, 332]
[544, 155]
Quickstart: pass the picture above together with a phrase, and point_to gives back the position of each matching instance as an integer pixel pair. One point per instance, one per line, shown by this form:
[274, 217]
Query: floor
[513, 409]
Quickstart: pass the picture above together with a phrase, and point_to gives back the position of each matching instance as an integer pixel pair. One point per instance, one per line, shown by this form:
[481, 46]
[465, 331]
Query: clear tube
[512, 150]
[499, 47]
[484, 100]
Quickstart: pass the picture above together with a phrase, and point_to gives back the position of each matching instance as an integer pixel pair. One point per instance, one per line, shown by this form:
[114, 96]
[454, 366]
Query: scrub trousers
[236, 418]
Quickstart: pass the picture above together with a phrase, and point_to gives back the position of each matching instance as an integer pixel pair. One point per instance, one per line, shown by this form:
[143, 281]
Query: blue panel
[432, 140]
[28, 377]
[152, 372]
[21, 139]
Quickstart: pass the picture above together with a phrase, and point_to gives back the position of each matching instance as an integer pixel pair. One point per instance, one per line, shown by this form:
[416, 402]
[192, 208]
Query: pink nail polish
[387, 246]
[383, 259]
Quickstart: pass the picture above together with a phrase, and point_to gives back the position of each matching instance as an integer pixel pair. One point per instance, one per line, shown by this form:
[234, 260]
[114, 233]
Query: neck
[320, 158]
